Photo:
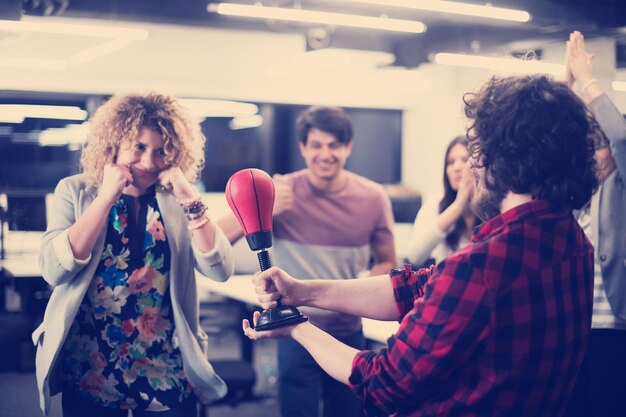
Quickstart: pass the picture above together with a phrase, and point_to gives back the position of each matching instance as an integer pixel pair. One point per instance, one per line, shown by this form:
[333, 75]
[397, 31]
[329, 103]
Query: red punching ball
[250, 195]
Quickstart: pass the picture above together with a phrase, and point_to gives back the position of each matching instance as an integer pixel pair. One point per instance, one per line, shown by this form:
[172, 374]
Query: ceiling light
[115, 38]
[509, 64]
[246, 122]
[71, 134]
[16, 113]
[98, 51]
[619, 85]
[331, 59]
[381, 79]
[311, 16]
[34, 63]
[11, 118]
[37, 25]
[465, 9]
[401, 79]
[218, 108]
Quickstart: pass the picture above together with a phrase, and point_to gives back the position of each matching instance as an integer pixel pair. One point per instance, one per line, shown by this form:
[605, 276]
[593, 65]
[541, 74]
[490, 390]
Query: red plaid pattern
[499, 329]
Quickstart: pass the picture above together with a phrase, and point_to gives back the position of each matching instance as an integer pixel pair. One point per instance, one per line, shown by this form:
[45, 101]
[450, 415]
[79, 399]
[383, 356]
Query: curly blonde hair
[123, 116]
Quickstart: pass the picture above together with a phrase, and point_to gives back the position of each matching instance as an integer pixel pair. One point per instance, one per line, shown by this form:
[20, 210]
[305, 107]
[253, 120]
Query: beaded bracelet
[195, 207]
[201, 223]
[196, 216]
[188, 202]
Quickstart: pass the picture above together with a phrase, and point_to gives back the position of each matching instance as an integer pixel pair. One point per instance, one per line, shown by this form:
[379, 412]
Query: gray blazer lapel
[173, 230]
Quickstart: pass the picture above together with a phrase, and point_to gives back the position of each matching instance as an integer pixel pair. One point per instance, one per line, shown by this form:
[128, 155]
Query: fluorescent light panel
[499, 64]
[34, 25]
[330, 59]
[33, 63]
[400, 79]
[119, 37]
[245, 122]
[71, 134]
[619, 85]
[16, 113]
[98, 51]
[311, 16]
[219, 108]
[488, 12]
[379, 80]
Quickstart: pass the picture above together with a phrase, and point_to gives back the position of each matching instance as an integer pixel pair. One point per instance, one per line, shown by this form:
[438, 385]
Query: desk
[21, 276]
[25, 267]
[240, 288]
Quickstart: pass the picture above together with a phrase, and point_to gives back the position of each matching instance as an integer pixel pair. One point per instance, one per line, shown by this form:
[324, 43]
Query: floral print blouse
[119, 351]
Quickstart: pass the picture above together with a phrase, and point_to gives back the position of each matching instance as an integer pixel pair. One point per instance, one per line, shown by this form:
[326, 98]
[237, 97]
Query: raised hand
[114, 179]
[466, 187]
[578, 60]
[283, 200]
[173, 180]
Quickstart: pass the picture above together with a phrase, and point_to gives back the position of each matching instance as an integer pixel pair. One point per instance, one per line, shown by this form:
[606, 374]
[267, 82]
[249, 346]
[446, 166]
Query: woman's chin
[141, 184]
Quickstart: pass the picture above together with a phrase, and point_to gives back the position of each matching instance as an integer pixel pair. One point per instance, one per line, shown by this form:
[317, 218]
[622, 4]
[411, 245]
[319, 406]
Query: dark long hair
[449, 195]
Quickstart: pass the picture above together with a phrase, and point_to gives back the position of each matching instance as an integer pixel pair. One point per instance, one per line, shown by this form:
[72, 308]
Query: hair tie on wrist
[586, 85]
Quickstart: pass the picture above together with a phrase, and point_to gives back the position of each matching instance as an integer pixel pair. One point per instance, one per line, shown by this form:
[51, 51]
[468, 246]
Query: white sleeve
[218, 263]
[425, 235]
[56, 258]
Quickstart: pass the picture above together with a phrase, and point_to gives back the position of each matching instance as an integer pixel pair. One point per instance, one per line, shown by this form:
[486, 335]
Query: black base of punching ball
[279, 316]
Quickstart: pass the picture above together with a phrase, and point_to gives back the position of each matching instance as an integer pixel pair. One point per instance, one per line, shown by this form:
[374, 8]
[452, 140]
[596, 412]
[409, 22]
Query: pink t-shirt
[329, 235]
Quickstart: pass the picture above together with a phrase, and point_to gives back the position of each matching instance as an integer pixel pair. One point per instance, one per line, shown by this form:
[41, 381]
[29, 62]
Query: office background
[246, 79]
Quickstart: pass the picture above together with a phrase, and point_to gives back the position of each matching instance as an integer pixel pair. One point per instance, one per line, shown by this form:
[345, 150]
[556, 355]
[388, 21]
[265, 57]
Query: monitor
[26, 213]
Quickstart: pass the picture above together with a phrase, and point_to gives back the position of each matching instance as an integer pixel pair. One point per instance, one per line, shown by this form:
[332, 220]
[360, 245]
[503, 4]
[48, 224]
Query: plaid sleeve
[435, 339]
[408, 286]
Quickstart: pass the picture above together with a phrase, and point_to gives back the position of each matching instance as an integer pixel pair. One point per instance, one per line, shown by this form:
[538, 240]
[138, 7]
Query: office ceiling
[551, 19]
[190, 53]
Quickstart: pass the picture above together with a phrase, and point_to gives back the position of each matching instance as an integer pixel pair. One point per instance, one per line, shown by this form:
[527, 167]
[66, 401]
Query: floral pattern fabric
[119, 352]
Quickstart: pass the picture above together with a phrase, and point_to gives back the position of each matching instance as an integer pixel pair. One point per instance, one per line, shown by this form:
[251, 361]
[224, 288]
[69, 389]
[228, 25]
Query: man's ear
[349, 147]
[302, 147]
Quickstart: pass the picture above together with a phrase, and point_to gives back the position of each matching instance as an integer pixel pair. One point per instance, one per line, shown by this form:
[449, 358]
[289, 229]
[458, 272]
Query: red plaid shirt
[500, 329]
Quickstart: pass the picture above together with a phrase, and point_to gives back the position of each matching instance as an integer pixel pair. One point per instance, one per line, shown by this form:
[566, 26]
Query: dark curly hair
[533, 135]
[333, 120]
[449, 195]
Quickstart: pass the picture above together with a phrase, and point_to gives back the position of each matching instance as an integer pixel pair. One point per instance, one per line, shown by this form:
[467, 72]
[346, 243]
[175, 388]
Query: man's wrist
[299, 332]
[308, 291]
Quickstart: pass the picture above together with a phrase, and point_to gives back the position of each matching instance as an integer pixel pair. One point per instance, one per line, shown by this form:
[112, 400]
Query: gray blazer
[71, 278]
[608, 208]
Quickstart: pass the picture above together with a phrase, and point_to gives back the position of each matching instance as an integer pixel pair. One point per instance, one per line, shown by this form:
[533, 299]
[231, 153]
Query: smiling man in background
[327, 222]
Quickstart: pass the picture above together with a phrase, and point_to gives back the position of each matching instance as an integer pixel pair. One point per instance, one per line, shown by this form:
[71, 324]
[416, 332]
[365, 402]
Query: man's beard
[487, 204]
